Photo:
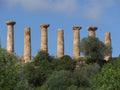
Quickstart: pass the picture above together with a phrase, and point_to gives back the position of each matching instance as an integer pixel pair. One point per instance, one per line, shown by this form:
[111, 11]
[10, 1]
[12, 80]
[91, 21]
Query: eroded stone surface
[92, 31]
[10, 36]
[108, 44]
[60, 43]
[27, 45]
[44, 38]
[76, 42]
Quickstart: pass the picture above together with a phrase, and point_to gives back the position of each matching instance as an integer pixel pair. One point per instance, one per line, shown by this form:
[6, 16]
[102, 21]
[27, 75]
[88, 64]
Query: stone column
[60, 43]
[27, 45]
[76, 42]
[108, 45]
[10, 36]
[92, 31]
[44, 38]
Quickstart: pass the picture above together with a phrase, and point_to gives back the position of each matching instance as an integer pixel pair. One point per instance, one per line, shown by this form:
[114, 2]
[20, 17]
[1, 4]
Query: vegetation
[109, 78]
[94, 50]
[46, 72]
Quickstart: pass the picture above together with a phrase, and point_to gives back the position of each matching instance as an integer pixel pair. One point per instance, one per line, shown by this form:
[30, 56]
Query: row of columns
[44, 40]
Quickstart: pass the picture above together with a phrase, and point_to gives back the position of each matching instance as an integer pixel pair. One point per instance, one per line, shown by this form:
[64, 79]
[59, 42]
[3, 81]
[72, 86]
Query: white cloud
[46, 5]
[91, 9]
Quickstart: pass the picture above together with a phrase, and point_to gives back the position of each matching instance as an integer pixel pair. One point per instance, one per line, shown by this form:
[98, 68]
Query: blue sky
[105, 14]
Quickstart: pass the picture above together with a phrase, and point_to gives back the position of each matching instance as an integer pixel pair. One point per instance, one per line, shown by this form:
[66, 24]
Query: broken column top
[60, 29]
[27, 28]
[91, 28]
[10, 22]
[76, 28]
[44, 25]
[107, 34]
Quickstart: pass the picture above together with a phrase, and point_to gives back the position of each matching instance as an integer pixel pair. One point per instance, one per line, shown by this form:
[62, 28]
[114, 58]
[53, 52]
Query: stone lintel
[76, 28]
[90, 28]
[44, 25]
[10, 22]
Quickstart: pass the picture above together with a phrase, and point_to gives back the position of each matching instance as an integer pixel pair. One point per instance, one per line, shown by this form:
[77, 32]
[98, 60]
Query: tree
[42, 55]
[10, 72]
[83, 75]
[109, 78]
[59, 80]
[64, 63]
[93, 49]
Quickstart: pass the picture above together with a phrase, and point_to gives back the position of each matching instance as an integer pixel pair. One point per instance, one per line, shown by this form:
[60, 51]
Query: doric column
[108, 45]
[27, 45]
[10, 36]
[107, 38]
[44, 38]
[60, 43]
[76, 42]
[92, 31]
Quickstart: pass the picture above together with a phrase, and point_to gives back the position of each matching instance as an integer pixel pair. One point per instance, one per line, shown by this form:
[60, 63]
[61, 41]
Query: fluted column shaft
[107, 38]
[27, 45]
[60, 43]
[92, 31]
[108, 45]
[76, 42]
[44, 38]
[10, 36]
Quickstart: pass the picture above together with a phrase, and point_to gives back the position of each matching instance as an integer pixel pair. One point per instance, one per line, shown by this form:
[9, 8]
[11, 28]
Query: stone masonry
[44, 41]
[92, 31]
[44, 38]
[76, 42]
[60, 43]
[108, 44]
[10, 36]
[27, 45]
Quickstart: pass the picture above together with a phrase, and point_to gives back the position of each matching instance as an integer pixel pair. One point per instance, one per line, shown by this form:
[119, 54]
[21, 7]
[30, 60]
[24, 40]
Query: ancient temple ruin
[44, 40]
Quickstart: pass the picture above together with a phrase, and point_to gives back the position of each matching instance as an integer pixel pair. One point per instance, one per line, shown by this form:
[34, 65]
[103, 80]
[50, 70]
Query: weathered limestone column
[76, 42]
[108, 45]
[44, 38]
[27, 45]
[10, 36]
[60, 43]
[92, 31]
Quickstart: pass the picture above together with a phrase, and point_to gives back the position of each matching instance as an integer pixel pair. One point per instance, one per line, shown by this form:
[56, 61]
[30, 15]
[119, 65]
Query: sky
[60, 14]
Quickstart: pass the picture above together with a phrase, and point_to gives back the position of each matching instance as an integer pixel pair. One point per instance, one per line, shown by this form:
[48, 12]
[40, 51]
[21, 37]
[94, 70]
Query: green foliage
[79, 79]
[36, 75]
[109, 78]
[108, 50]
[82, 76]
[59, 80]
[10, 72]
[93, 49]
[64, 63]
[42, 55]
[39, 69]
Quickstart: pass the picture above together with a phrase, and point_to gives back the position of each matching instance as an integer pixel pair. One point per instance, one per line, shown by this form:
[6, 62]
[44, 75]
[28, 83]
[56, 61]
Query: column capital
[77, 27]
[91, 28]
[44, 25]
[10, 22]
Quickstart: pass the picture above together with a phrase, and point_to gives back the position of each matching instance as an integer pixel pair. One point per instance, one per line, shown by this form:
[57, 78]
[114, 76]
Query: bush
[64, 63]
[59, 80]
[83, 75]
[42, 55]
[109, 78]
[10, 72]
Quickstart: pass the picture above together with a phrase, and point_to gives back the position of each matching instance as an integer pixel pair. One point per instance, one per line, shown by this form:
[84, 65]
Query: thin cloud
[89, 9]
